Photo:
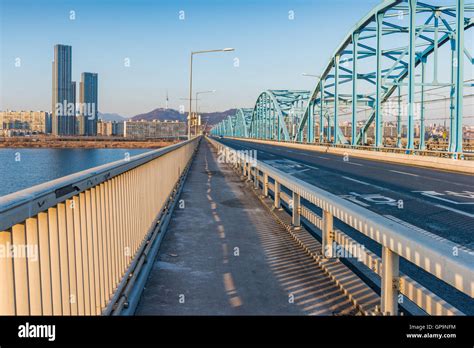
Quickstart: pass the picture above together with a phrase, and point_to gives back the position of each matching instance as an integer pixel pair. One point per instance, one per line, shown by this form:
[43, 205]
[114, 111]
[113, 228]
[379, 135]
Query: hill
[174, 115]
[112, 117]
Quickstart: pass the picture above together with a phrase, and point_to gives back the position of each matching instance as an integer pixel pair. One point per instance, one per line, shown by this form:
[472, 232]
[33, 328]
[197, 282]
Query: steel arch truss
[367, 70]
[391, 49]
[276, 112]
[275, 116]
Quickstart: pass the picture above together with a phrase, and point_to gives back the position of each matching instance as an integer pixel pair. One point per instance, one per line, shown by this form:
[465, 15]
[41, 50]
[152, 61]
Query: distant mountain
[161, 114]
[112, 117]
[215, 117]
[174, 115]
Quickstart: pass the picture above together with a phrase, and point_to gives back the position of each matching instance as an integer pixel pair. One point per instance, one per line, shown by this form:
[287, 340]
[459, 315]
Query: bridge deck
[197, 258]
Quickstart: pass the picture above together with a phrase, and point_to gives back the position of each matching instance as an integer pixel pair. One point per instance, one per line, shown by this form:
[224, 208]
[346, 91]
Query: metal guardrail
[435, 257]
[66, 245]
[467, 156]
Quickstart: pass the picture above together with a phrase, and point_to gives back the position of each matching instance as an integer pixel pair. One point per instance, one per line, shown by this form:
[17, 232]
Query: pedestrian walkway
[224, 254]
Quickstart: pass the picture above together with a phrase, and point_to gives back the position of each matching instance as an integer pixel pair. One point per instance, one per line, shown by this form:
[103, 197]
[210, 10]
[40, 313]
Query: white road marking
[455, 210]
[358, 181]
[355, 200]
[436, 195]
[356, 164]
[405, 173]
[322, 157]
[312, 167]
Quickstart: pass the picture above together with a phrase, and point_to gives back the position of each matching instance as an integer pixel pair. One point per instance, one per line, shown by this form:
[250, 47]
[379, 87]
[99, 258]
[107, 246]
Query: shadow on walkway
[223, 254]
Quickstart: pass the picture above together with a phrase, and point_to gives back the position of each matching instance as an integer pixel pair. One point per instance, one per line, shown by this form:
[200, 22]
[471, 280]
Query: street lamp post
[196, 108]
[191, 81]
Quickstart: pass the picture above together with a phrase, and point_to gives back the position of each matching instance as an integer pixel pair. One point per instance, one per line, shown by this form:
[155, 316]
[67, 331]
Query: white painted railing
[444, 260]
[66, 245]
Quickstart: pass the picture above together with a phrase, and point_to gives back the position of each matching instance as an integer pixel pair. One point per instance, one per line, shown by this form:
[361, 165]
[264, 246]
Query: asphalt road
[433, 202]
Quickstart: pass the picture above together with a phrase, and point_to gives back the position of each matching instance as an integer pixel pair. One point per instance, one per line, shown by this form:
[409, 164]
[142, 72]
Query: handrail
[67, 246]
[433, 256]
[18, 206]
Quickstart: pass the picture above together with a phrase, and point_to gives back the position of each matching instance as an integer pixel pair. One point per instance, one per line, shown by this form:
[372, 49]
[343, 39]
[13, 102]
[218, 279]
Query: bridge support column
[457, 132]
[296, 217]
[422, 107]
[389, 282]
[399, 118]
[378, 131]
[321, 114]
[277, 202]
[411, 74]
[336, 98]
[327, 234]
[355, 42]
[265, 184]
[310, 123]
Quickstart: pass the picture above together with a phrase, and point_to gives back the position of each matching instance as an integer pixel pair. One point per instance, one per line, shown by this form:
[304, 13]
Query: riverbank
[82, 142]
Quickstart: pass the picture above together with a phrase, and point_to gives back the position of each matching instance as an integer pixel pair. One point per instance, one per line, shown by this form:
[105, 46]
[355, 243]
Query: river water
[23, 168]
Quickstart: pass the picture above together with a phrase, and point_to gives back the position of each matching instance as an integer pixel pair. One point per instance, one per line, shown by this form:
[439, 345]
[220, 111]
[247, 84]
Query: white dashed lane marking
[404, 173]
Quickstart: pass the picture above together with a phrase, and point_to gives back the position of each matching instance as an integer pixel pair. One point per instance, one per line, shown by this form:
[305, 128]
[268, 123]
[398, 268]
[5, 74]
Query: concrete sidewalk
[224, 254]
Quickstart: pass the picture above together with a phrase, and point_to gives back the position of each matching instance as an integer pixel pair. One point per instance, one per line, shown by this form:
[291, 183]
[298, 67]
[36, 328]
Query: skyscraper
[88, 97]
[63, 93]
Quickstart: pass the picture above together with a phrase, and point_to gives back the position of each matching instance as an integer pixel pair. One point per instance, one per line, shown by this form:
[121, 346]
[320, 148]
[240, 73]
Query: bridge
[370, 75]
[279, 210]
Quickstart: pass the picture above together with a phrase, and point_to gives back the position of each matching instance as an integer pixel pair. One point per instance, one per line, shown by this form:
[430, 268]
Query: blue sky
[272, 50]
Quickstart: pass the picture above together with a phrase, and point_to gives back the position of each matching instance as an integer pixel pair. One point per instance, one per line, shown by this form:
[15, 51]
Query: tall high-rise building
[63, 93]
[88, 98]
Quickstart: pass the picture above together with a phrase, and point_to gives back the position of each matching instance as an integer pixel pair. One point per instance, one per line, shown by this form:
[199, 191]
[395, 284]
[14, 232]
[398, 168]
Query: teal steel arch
[242, 118]
[274, 116]
[426, 28]
[388, 51]
[273, 113]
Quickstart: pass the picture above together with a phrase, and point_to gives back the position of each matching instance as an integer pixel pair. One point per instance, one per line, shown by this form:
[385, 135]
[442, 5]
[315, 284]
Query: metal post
[277, 191]
[256, 179]
[336, 96]
[452, 126]
[296, 220]
[190, 94]
[399, 119]
[355, 41]
[459, 76]
[389, 283]
[378, 89]
[265, 184]
[321, 123]
[278, 127]
[327, 235]
[422, 108]
[310, 123]
[435, 47]
[411, 73]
